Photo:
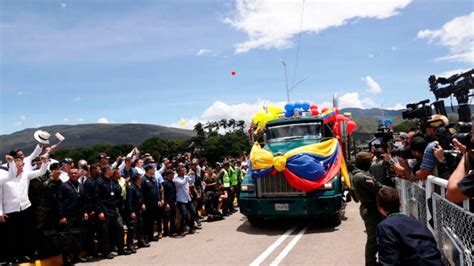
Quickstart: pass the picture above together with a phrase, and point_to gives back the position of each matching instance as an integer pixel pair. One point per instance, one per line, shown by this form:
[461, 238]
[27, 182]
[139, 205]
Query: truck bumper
[291, 207]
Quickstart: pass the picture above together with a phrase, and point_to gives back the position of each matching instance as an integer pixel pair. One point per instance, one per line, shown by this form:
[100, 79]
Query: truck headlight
[247, 188]
[328, 185]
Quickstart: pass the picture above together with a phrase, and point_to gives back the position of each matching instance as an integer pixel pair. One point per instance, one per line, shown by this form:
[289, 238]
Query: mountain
[91, 134]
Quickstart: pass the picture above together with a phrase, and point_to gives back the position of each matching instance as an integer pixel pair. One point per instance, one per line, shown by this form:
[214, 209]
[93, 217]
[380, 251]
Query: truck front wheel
[255, 221]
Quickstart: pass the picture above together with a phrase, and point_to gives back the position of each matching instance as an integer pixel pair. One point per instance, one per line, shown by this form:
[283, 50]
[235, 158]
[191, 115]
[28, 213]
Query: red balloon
[342, 118]
[351, 126]
[315, 111]
[233, 73]
[313, 106]
[336, 128]
[324, 109]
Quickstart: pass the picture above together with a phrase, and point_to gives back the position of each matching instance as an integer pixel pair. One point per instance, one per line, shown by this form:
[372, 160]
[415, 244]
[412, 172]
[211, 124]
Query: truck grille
[273, 186]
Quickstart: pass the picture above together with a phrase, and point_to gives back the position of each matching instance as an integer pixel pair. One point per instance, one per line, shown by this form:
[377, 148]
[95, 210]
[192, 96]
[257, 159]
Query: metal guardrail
[451, 225]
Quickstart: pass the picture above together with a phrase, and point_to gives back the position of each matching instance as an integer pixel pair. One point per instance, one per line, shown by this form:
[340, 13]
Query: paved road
[235, 242]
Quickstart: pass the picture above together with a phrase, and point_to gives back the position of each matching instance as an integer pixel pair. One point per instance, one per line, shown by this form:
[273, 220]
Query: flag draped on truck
[305, 168]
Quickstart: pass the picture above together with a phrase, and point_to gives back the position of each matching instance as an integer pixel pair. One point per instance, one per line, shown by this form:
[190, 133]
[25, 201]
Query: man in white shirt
[16, 207]
[6, 172]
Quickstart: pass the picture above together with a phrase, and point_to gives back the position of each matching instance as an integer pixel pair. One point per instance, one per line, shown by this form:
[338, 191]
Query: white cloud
[18, 123]
[373, 87]
[20, 93]
[371, 56]
[63, 5]
[394, 48]
[202, 52]
[76, 99]
[103, 120]
[80, 119]
[397, 106]
[457, 35]
[23, 117]
[66, 119]
[352, 99]
[272, 23]
[244, 111]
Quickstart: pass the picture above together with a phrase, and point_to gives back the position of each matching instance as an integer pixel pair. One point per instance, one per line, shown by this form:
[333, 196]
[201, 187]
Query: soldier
[365, 187]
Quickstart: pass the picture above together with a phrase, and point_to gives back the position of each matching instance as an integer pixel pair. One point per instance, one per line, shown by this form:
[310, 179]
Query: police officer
[224, 180]
[153, 200]
[169, 189]
[133, 213]
[365, 187]
[236, 181]
[91, 195]
[71, 212]
[110, 221]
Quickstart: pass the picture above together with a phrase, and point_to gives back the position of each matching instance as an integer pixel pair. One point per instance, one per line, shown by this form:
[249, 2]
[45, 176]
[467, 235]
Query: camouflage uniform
[365, 187]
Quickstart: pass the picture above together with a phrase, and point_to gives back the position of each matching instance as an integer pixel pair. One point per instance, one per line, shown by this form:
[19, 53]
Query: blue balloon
[297, 105]
[289, 107]
[305, 106]
[288, 114]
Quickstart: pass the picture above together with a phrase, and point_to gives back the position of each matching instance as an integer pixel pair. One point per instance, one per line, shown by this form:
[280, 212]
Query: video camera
[458, 85]
[418, 110]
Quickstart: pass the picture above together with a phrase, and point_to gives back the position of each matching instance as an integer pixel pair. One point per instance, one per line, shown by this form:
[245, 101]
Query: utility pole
[286, 82]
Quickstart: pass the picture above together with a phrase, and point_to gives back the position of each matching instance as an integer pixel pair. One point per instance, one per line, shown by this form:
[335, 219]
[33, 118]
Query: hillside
[90, 134]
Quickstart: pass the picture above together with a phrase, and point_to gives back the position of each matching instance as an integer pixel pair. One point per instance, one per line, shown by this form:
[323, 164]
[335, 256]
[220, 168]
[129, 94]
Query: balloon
[351, 126]
[337, 128]
[272, 109]
[324, 109]
[288, 114]
[315, 111]
[289, 107]
[297, 105]
[342, 118]
[233, 73]
[305, 106]
[314, 106]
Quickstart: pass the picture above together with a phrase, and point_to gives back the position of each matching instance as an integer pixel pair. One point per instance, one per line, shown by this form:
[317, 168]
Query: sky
[171, 62]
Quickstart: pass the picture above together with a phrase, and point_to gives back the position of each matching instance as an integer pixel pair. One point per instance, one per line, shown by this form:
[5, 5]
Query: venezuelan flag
[329, 115]
[305, 168]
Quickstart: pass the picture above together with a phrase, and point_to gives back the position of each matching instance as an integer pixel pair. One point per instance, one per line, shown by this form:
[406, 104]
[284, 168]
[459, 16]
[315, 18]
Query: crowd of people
[412, 156]
[89, 210]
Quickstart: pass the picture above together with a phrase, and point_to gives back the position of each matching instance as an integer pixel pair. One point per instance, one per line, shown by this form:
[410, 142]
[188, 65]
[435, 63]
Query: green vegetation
[214, 140]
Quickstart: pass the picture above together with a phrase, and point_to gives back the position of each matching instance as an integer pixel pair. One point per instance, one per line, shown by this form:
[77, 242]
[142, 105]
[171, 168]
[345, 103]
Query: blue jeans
[186, 209]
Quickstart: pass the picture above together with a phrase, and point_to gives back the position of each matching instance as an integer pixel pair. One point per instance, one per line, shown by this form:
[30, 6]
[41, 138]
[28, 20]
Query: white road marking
[288, 248]
[271, 248]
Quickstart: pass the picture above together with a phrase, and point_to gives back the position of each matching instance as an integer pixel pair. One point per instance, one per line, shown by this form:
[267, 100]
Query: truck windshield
[294, 131]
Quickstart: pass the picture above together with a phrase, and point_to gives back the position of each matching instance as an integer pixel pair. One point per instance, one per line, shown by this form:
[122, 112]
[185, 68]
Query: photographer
[380, 166]
[405, 164]
[433, 158]
[461, 181]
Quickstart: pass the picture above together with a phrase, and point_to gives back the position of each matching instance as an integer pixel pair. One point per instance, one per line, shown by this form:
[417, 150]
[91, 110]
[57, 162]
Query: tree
[198, 128]
[223, 124]
[241, 126]
[231, 124]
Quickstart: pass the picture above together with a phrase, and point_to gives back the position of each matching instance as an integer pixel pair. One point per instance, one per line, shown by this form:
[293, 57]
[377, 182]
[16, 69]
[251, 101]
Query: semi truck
[271, 195]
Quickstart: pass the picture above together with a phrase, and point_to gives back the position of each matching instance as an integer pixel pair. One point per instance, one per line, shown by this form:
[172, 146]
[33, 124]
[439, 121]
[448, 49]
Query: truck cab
[272, 196]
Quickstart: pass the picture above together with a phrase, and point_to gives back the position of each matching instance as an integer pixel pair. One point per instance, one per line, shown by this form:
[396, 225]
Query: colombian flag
[305, 168]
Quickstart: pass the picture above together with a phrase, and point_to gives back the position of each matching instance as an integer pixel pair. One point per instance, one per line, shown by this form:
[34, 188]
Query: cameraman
[406, 164]
[433, 156]
[380, 166]
[461, 181]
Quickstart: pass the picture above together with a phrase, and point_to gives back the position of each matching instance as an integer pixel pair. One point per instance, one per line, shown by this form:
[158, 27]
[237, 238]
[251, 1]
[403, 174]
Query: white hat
[42, 136]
